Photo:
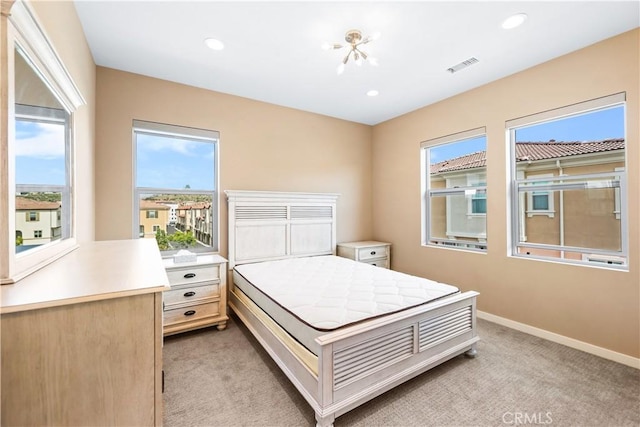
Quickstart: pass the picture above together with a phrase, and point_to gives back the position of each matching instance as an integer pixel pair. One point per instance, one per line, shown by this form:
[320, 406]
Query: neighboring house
[197, 218]
[154, 216]
[37, 222]
[173, 212]
[548, 217]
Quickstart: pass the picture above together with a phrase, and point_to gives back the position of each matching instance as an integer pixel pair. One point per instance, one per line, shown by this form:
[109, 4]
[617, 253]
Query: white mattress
[310, 296]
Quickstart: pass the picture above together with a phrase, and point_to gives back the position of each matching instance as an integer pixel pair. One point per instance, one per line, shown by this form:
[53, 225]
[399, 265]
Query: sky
[594, 126]
[40, 153]
[174, 163]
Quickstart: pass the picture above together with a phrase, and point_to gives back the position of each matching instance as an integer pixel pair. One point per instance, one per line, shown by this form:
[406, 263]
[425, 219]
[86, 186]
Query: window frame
[559, 183]
[187, 133]
[470, 190]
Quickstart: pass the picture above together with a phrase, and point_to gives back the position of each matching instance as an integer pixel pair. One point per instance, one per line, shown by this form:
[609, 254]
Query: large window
[454, 177]
[176, 190]
[569, 184]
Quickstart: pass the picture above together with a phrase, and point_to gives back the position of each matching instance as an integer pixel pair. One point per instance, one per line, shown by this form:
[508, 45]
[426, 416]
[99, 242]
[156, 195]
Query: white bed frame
[356, 363]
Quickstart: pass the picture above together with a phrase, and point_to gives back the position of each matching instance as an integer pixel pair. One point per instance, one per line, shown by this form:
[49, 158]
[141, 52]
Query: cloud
[39, 140]
[155, 143]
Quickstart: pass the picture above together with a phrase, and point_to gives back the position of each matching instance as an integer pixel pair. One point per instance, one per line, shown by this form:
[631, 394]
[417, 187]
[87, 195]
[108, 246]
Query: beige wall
[62, 26]
[597, 306]
[262, 147]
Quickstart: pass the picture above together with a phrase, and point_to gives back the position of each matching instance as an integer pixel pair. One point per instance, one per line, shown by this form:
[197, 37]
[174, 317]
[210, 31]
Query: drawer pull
[373, 252]
[189, 313]
[189, 294]
[190, 275]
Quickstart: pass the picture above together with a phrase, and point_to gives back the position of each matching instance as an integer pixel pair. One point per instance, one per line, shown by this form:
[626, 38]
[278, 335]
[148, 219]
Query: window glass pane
[577, 166]
[40, 152]
[540, 201]
[457, 198]
[174, 163]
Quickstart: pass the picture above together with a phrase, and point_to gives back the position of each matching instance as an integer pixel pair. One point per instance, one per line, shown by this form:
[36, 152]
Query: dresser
[368, 251]
[82, 338]
[198, 294]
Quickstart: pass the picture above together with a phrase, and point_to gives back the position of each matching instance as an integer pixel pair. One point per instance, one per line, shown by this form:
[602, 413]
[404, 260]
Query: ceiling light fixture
[514, 21]
[355, 40]
[214, 44]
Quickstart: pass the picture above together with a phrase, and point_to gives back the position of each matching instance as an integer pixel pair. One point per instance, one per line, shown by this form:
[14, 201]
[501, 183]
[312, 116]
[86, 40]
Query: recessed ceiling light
[372, 92]
[514, 21]
[214, 44]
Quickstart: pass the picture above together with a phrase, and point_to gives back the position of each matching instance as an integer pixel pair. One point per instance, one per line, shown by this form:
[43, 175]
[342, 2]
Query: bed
[313, 312]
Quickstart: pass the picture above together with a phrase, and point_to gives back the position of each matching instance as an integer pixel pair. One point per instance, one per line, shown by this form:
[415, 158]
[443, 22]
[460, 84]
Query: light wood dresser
[369, 251]
[198, 295]
[82, 339]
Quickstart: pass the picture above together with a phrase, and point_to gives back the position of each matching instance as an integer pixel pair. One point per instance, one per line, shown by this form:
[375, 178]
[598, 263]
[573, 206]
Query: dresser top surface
[94, 271]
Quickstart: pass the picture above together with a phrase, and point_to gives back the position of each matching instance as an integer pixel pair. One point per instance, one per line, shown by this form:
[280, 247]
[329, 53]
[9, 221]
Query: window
[478, 202]
[39, 174]
[540, 202]
[454, 183]
[37, 234]
[176, 190]
[568, 200]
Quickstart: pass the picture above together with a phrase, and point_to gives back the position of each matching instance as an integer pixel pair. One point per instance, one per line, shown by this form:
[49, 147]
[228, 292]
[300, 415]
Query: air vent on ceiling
[463, 64]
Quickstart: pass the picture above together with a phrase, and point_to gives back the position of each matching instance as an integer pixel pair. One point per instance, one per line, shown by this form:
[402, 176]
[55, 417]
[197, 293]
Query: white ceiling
[273, 48]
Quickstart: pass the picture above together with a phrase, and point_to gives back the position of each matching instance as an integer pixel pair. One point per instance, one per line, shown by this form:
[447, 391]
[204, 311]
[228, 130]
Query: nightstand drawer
[193, 312]
[373, 252]
[192, 294]
[193, 274]
[380, 262]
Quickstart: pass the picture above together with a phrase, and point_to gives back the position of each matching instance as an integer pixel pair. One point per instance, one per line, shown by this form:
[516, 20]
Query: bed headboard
[270, 225]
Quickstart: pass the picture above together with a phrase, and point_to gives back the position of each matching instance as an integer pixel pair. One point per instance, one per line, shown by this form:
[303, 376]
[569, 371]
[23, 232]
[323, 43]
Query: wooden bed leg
[324, 422]
[472, 352]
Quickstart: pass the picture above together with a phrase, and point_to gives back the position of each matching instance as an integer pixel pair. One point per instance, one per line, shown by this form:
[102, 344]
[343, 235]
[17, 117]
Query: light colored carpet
[225, 378]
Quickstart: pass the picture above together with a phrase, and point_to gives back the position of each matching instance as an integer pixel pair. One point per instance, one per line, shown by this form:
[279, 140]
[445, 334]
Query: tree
[19, 240]
[182, 240]
[162, 239]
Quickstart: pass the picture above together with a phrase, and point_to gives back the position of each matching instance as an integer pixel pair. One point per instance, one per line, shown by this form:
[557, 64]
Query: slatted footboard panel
[442, 328]
[354, 363]
[413, 344]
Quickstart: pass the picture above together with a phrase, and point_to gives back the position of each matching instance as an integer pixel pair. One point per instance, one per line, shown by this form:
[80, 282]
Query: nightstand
[370, 252]
[198, 295]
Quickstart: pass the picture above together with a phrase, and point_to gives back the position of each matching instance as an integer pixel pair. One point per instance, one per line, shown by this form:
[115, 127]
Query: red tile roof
[25, 204]
[152, 205]
[532, 151]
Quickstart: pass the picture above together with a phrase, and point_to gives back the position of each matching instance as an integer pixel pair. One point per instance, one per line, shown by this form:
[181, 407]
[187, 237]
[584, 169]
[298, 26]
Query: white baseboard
[561, 339]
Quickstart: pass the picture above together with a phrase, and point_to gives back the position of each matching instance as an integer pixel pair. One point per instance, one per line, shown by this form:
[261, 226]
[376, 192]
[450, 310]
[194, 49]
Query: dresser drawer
[372, 252]
[194, 274]
[192, 294]
[187, 314]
